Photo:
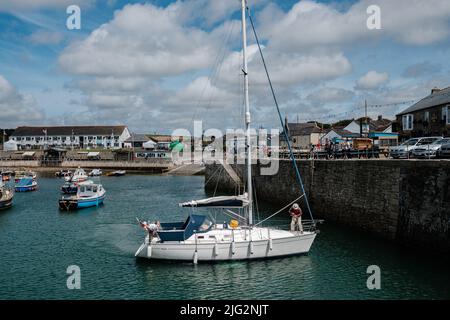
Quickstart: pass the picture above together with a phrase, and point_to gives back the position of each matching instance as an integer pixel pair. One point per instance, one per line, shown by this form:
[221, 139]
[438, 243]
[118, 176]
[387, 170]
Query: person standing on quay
[296, 214]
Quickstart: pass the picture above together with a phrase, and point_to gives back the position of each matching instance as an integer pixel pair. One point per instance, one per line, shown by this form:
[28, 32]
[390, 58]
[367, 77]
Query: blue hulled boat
[88, 195]
[26, 184]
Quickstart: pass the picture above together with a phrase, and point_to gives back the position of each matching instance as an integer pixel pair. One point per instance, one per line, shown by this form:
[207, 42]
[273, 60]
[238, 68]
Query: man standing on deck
[296, 214]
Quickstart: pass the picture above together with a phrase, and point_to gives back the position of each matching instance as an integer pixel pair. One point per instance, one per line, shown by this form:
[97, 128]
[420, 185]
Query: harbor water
[39, 242]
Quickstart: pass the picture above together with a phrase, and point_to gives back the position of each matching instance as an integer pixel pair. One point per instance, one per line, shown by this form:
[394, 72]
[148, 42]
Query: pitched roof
[138, 137]
[69, 130]
[436, 98]
[160, 138]
[302, 129]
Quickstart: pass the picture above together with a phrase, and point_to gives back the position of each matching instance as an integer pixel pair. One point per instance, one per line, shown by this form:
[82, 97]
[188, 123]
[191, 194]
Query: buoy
[251, 247]
[195, 257]
[270, 244]
[149, 251]
[233, 248]
[216, 249]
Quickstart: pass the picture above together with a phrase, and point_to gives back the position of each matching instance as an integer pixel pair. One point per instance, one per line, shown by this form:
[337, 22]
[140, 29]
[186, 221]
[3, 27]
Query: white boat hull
[284, 243]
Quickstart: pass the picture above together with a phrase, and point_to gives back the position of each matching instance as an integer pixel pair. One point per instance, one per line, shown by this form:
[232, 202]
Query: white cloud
[115, 101]
[286, 69]
[16, 108]
[372, 80]
[201, 93]
[141, 40]
[310, 24]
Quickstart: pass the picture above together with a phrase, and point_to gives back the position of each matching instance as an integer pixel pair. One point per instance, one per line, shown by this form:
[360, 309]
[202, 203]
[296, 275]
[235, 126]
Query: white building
[77, 137]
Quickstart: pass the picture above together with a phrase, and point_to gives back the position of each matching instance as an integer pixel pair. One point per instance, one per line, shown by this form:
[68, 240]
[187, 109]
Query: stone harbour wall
[403, 200]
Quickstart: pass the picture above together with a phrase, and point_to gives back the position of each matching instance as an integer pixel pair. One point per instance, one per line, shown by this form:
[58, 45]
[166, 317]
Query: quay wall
[156, 166]
[19, 163]
[403, 200]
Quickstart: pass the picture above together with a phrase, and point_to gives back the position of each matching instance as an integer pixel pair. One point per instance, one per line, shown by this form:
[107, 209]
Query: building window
[426, 116]
[444, 113]
[407, 122]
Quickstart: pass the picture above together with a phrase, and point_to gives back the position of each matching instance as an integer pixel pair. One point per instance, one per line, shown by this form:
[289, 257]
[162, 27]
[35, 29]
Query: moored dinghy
[26, 184]
[117, 173]
[88, 195]
[95, 173]
[6, 196]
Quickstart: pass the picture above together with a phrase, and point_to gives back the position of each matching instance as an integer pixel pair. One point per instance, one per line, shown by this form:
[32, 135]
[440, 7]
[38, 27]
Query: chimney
[435, 90]
[380, 117]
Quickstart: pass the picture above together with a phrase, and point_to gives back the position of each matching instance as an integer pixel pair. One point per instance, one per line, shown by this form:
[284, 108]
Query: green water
[38, 243]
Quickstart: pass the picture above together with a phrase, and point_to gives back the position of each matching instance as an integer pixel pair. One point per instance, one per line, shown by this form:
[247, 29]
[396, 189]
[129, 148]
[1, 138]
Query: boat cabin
[89, 190]
[180, 231]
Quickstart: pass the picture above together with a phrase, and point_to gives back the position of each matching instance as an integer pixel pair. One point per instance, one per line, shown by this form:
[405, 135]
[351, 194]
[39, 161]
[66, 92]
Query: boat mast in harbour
[247, 115]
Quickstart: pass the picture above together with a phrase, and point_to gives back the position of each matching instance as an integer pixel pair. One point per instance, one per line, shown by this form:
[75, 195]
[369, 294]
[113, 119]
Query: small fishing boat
[117, 173]
[95, 173]
[26, 184]
[72, 187]
[6, 196]
[78, 176]
[24, 174]
[88, 195]
[63, 173]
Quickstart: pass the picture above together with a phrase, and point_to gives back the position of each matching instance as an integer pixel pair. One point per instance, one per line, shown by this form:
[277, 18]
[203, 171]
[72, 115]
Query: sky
[157, 66]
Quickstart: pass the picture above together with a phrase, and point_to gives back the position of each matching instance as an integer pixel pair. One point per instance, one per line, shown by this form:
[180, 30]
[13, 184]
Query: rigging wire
[294, 163]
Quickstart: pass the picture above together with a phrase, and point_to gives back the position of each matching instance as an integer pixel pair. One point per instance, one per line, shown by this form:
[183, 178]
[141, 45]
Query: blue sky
[158, 65]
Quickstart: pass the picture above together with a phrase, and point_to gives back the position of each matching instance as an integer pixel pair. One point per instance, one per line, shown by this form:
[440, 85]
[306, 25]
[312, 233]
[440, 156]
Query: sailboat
[198, 238]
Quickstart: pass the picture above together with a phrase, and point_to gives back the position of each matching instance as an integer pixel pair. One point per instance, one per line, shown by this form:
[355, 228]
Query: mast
[247, 116]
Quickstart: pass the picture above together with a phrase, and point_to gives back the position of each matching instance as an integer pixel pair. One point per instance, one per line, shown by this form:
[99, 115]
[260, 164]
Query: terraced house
[428, 117]
[71, 137]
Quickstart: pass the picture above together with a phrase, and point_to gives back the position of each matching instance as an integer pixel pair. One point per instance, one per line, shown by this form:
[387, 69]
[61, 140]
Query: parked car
[445, 151]
[406, 148]
[431, 150]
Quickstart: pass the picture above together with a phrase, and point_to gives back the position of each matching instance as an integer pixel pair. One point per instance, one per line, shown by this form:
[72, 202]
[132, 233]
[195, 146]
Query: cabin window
[407, 122]
[82, 189]
[94, 189]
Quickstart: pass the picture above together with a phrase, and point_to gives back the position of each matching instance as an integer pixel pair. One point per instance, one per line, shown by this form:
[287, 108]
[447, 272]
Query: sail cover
[219, 202]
